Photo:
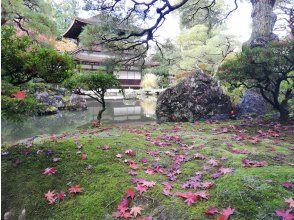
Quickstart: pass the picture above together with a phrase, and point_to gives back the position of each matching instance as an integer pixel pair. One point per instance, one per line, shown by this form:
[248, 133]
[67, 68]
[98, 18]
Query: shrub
[269, 69]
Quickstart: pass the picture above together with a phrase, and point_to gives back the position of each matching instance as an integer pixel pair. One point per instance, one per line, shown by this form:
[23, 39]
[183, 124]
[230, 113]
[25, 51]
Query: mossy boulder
[198, 96]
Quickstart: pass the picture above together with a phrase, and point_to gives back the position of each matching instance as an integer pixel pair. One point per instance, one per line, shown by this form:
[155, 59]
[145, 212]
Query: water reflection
[149, 105]
[117, 111]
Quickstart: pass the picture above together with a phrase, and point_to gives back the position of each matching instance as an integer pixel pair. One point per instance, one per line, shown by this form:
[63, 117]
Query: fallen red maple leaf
[287, 185]
[133, 166]
[285, 214]
[213, 162]
[290, 202]
[130, 193]
[61, 195]
[135, 210]
[75, 189]
[226, 213]
[141, 188]
[118, 156]
[144, 160]
[225, 170]
[130, 152]
[105, 147]
[211, 210]
[49, 195]
[167, 185]
[84, 156]
[49, 171]
[251, 163]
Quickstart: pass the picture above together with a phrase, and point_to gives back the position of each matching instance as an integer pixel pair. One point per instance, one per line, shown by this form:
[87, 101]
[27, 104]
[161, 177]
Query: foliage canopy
[269, 69]
[24, 60]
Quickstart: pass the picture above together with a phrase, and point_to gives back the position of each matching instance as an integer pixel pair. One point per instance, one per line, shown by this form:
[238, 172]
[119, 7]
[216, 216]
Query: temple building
[90, 59]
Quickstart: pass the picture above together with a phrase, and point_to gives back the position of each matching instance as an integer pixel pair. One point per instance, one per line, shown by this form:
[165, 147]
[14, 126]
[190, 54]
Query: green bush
[270, 69]
[24, 60]
[17, 109]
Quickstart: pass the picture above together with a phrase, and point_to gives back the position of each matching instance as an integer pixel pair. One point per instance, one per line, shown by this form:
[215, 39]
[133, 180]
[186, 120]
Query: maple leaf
[285, 214]
[126, 215]
[130, 193]
[19, 95]
[84, 156]
[207, 185]
[191, 200]
[132, 173]
[75, 189]
[166, 192]
[167, 185]
[201, 146]
[116, 215]
[216, 175]
[141, 188]
[226, 213]
[250, 163]
[135, 210]
[290, 202]
[224, 170]
[287, 185]
[130, 152]
[61, 195]
[133, 166]
[49, 171]
[50, 195]
[144, 160]
[213, 162]
[199, 156]
[118, 156]
[202, 194]
[105, 147]
[148, 184]
[211, 210]
[254, 140]
[123, 205]
[150, 171]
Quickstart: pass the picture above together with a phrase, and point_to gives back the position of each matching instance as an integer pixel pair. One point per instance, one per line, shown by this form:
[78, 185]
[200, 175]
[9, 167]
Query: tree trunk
[284, 114]
[99, 116]
[263, 21]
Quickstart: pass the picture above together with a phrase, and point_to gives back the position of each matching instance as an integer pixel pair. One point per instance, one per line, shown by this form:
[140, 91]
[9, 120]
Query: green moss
[255, 193]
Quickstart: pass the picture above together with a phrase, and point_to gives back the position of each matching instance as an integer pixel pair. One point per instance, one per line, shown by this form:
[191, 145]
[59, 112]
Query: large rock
[252, 103]
[51, 100]
[196, 97]
[77, 102]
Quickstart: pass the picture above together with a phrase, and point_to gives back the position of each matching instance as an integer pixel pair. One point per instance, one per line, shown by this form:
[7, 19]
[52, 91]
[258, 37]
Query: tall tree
[30, 16]
[263, 22]
[64, 13]
[149, 15]
[205, 48]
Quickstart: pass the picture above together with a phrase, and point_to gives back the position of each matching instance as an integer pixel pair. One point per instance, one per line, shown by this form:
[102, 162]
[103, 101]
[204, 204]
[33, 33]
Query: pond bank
[117, 111]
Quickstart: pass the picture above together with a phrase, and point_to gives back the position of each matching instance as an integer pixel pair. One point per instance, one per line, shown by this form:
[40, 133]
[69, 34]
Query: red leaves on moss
[75, 189]
[226, 213]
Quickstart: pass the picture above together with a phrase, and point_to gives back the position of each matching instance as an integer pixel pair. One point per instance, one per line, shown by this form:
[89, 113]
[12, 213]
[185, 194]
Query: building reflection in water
[149, 105]
[117, 111]
[125, 110]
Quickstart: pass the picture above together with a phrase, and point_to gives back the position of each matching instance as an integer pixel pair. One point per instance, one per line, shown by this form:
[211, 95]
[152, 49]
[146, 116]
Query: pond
[117, 111]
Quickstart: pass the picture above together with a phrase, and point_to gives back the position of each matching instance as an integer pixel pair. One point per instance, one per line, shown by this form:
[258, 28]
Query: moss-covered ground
[254, 192]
